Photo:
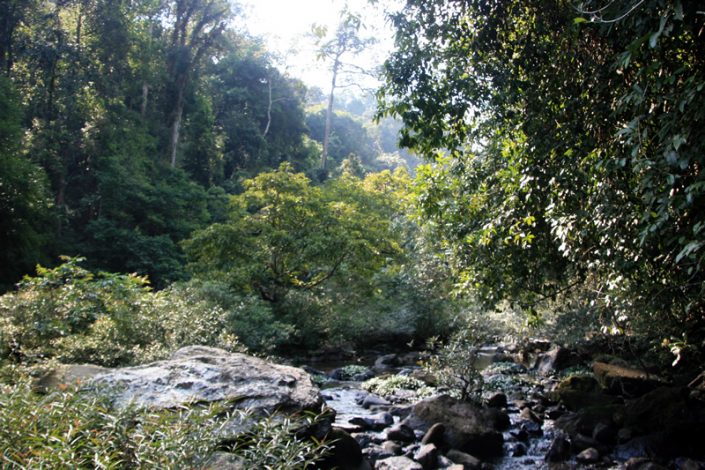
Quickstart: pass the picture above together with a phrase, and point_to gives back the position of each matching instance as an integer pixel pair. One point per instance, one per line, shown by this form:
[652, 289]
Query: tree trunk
[145, 96]
[175, 127]
[329, 115]
[269, 108]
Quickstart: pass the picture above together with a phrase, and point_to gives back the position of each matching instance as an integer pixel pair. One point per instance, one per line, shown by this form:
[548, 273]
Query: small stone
[434, 435]
[554, 412]
[391, 447]
[371, 400]
[497, 400]
[518, 450]
[427, 456]
[520, 435]
[528, 415]
[468, 461]
[589, 455]
[376, 422]
[532, 429]
[402, 433]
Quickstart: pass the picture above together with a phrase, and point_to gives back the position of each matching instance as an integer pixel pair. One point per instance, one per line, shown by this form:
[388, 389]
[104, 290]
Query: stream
[525, 443]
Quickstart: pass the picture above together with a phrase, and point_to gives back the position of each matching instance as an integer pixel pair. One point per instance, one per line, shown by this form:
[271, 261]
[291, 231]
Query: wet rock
[559, 450]
[554, 412]
[581, 391]
[205, 374]
[375, 422]
[605, 433]
[622, 380]
[434, 435]
[369, 400]
[374, 453]
[469, 462]
[397, 463]
[581, 442]
[642, 464]
[345, 452]
[531, 428]
[392, 447]
[528, 415]
[402, 433]
[518, 450]
[589, 455]
[555, 360]
[688, 464]
[585, 420]
[386, 363]
[427, 456]
[468, 427]
[497, 400]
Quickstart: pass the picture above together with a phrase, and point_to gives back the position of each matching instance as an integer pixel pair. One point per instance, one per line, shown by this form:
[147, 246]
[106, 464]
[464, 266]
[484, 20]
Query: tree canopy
[567, 141]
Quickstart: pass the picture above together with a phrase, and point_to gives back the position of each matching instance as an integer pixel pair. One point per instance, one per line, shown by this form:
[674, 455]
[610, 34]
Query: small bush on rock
[391, 385]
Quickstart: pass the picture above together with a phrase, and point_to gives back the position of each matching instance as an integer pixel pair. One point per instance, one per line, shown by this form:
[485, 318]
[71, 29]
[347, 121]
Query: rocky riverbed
[543, 407]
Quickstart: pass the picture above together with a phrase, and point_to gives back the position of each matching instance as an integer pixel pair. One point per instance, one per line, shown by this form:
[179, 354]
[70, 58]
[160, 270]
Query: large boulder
[205, 374]
[555, 360]
[581, 391]
[624, 380]
[468, 427]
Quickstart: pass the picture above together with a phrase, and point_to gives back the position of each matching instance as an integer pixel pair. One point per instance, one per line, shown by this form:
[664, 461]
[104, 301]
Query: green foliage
[348, 136]
[79, 429]
[285, 235]
[23, 199]
[391, 385]
[271, 444]
[453, 363]
[72, 315]
[567, 153]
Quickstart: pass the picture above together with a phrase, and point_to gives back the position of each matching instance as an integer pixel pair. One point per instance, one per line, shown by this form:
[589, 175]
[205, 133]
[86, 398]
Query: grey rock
[205, 374]
[555, 360]
[559, 450]
[376, 422]
[427, 456]
[468, 427]
[397, 463]
[434, 435]
[392, 447]
[589, 455]
[375, 453]
[369, 400]
[497, 400]
[469, 462]
[402, 433]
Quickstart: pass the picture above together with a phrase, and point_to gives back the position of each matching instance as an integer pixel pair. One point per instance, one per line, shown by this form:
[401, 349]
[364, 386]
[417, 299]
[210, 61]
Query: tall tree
[572, 150]
[346, 42]
[196, 25]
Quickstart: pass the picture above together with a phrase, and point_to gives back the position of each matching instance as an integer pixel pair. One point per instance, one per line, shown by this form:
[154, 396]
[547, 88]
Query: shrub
[391, 385]
[72, 315]
[78, 429]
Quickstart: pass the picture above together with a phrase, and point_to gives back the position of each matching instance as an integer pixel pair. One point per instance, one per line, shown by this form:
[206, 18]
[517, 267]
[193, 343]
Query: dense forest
[527, 168]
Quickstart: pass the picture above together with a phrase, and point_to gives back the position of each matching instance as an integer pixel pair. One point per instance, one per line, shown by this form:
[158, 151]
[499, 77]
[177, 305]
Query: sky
[284, 25]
